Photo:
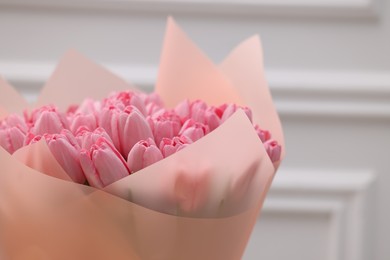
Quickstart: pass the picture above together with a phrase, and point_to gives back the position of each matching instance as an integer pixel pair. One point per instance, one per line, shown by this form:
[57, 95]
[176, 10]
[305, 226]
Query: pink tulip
[71, 110]
[212, 118]
[108, 120]
[153, 109]
[264, 135]
[230, 109]
[194, 110]
[66, 150]
[85, 115]
[12, 132]
[86, 138]
[171, 146]
[153, 102]
[164, 125]
[125, 127]
[47, 120]
[11, 139]
[14, 120]
[124, 99]
[183, 110]
[151, 98]
[103, 164]
[198, 109]
[143, 154]
[132, 128]
[194, 130]
[88, 106]
[200, 112]
[273, 150]
[78, 121]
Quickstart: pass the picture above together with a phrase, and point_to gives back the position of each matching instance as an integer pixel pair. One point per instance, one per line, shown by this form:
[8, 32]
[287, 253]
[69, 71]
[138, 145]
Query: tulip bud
[103, 164]
[153, 103]
[212, 118]
[65, 149]
[273, 150]
[183, 110]
[195, 110]
[71, 110]
[14, 120]
[85, 121]
[88, 106]
[108, 120]
[86, 138]
[151, 99]
[143, 154]
[47, 120]
[230, 109]
[11, 139]
[153, 108]
[193, 130]
[123, 99]
[198, 109]
[164, 125]
[264, 135]
[132, 128]
[171, 146]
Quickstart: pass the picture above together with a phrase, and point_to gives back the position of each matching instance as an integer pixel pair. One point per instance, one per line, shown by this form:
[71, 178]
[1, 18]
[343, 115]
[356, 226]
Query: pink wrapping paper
[76, 78]
[200, 203]
[3, 113]
[10, 100]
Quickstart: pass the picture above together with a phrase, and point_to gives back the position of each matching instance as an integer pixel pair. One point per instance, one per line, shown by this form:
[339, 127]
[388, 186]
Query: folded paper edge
[76, 77]
[177, 79]
[248, 92]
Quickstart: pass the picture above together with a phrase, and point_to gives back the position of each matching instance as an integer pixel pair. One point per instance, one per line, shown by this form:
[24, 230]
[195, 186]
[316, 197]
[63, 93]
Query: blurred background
[328, 66]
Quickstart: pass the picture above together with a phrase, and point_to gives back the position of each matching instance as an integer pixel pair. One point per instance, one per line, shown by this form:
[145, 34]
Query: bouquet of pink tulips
[127, 132]
[108, 172]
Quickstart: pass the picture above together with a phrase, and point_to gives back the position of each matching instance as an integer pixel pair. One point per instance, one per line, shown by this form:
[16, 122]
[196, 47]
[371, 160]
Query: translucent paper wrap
[200, 203]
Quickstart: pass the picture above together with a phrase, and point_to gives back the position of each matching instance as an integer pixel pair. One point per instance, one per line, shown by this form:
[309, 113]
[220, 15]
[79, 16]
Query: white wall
[328, 65]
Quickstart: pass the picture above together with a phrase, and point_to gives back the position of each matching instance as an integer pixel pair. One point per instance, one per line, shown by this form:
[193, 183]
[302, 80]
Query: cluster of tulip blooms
[100, 142]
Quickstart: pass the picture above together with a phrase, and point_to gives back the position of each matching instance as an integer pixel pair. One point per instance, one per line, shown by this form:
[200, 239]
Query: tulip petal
[68, 157]
[108, 164]
[89, 169]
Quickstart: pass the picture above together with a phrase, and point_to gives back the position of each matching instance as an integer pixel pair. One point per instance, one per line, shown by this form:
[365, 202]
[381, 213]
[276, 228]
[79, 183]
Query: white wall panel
[328, 65]
[313, 215]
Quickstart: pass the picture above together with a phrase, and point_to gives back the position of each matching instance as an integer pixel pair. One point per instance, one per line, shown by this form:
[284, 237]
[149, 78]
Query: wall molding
[354, 94]
[339, 195]
[322, 181]
[314, 8]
